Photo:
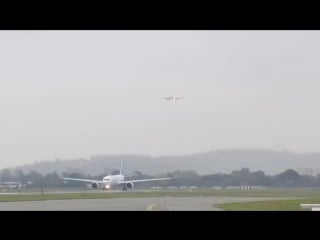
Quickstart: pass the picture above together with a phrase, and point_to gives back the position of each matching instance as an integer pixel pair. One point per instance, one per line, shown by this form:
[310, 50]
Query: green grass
[288, 193]
[272, 205]
[101, 195]
[98, 195]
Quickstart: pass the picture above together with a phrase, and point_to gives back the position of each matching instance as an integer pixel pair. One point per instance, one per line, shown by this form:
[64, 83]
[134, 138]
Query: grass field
[89, 195]
[310, 195]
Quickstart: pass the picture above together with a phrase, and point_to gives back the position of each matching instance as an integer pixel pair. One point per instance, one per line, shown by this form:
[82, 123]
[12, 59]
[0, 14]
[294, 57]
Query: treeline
[288, 178]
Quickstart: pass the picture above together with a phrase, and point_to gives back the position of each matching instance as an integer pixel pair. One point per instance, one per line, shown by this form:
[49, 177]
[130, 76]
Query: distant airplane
[11, 185]
[172, 99]
[115, 180]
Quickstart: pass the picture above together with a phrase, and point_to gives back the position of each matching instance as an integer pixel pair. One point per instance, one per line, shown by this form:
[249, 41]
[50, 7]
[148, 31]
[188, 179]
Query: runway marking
[157, 207]
[150, 207]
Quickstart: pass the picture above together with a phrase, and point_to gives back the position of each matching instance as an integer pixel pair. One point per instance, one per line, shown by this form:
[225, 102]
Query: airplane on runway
[172, 99]
[11, 185]
[115, 180]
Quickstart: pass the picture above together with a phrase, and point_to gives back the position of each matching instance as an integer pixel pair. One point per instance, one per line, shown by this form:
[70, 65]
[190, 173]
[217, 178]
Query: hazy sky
[72, 94]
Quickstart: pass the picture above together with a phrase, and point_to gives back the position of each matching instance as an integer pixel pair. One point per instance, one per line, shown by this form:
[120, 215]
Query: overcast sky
[73, 94]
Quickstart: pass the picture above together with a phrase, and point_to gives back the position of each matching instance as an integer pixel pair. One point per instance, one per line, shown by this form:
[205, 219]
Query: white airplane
[11, 185]
[115, 180]
[172, 99]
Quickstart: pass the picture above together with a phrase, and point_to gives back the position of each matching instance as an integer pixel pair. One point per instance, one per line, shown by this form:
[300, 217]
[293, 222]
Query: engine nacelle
[94, 185]
[129, 185]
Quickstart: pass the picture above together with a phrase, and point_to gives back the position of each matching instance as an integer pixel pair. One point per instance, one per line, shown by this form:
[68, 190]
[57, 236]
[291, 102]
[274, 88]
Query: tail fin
[121, 169]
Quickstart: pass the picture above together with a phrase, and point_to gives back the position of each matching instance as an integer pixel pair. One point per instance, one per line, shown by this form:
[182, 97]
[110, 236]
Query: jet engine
[94, 185]
[129, 185]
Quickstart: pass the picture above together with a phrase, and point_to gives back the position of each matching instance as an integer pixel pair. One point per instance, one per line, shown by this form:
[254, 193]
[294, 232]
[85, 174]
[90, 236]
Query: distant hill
[224, 161]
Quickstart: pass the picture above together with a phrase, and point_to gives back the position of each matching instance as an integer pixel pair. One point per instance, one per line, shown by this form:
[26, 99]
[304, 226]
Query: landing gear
[124, 189]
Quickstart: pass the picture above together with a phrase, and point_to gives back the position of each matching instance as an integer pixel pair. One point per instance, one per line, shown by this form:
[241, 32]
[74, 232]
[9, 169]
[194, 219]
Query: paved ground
[127, 204]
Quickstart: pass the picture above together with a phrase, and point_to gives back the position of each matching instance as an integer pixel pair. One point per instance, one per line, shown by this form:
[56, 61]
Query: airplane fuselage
[112, 180]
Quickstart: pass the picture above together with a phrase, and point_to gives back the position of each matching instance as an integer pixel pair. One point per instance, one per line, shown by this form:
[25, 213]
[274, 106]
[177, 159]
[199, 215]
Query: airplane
[111, 181]
[172, 99]
[11, 185]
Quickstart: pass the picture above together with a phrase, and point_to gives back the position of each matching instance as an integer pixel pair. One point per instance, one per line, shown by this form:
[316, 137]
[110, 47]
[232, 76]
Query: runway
[128, 204]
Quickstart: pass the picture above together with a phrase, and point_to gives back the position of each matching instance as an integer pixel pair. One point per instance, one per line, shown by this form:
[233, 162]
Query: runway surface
[128, 204]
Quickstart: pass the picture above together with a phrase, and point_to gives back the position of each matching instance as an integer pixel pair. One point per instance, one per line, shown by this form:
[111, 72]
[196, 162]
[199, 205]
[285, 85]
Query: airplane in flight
[111, 181]
[172, 99]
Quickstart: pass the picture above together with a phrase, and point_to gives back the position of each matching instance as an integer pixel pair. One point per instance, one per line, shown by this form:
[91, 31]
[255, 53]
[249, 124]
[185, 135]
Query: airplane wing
[179, 98]
[144, 180]
[83, 180]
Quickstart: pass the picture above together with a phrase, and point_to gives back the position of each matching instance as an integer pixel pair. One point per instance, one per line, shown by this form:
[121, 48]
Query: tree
[6, 175]
[36, 179]
[19, 176]
[138, 174]
[287, 178]
[53, 180]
